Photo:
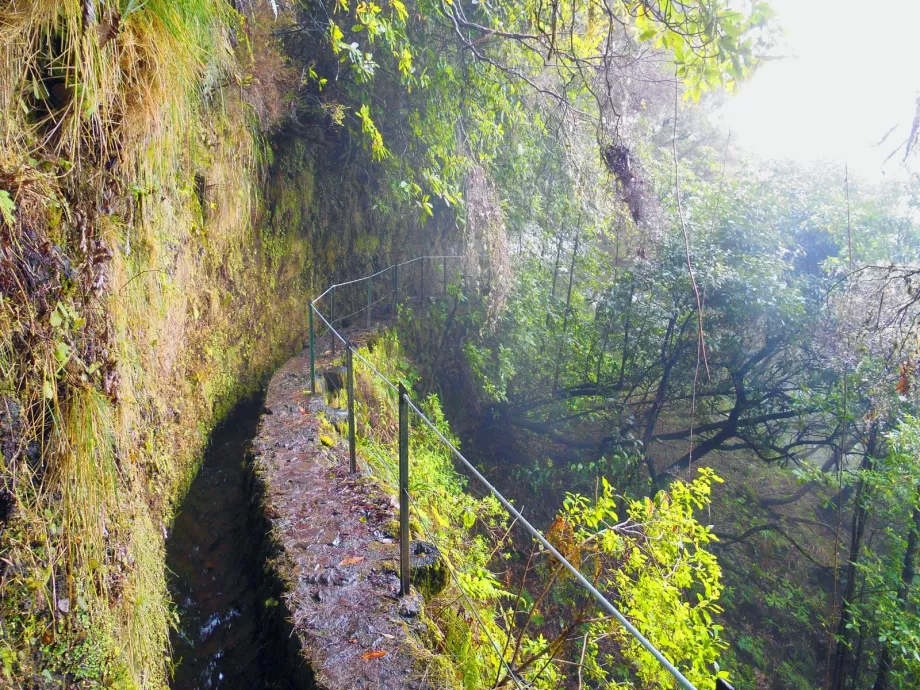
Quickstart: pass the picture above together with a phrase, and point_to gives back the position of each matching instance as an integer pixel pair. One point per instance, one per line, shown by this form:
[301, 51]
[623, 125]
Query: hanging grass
[97, 82]
[139, 298]
[84, 474]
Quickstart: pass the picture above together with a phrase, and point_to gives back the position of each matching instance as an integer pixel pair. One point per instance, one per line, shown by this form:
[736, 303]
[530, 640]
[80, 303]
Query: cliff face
[165, 210]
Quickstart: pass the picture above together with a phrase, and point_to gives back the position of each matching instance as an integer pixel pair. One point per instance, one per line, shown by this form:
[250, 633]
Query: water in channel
[232, 632]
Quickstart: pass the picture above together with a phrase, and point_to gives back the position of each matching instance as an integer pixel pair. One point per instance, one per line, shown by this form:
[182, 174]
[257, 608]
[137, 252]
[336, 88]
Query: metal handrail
[332, 289]
[406, 403]
[378, 273]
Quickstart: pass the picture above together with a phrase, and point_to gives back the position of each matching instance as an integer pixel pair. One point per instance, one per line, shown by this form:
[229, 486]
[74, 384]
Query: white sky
[853, 73]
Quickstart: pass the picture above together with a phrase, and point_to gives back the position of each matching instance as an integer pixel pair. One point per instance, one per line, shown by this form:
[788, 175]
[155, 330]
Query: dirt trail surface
[338, 561]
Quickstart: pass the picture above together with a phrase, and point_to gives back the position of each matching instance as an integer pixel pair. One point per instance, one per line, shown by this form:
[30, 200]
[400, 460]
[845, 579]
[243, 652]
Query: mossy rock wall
[167, 212]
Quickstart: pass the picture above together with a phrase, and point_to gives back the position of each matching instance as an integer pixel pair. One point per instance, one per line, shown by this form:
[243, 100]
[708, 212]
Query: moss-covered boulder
[428, 571]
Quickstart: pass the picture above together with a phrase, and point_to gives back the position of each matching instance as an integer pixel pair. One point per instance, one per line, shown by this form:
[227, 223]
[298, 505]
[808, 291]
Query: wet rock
[411, 606]
[7, 506]
[33, 452]
[334, 379]
[296, 377]
[331, 577]
[428, 571]
[333, 414]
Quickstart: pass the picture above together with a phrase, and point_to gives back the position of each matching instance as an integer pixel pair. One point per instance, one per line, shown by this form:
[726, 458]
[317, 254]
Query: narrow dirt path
[338, 560]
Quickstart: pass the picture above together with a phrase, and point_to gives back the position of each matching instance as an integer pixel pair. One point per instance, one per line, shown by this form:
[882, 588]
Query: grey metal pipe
[350, 367]
[403, 492]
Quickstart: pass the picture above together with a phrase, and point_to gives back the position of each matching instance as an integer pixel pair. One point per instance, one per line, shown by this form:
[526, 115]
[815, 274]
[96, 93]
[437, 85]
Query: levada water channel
[232, 631]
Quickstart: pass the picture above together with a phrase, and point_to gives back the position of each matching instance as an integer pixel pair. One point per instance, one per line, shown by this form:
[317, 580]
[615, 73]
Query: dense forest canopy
[698, 367]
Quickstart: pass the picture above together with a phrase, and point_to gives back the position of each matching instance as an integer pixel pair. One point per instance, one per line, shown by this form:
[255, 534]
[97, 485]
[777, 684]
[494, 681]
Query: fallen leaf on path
[354, 560]
[373, 655]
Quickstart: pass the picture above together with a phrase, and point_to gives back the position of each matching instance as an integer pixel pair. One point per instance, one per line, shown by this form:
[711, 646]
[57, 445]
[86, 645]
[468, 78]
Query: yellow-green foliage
[466, 529]
[656, 566]
[440, 500]
[119, 77]
[128, 156]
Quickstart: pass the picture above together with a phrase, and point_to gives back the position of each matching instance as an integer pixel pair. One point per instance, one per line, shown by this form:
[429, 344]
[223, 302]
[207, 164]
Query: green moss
[209, 240]
[190, 313]
[366, 244]
[431, 580]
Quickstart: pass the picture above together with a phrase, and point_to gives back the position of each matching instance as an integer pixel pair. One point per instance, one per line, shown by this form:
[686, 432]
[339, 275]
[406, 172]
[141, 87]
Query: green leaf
[7, 208]
[61, 352]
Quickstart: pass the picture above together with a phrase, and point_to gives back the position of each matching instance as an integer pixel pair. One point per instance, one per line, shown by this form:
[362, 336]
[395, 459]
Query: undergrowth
[778, 579]
[503, 608]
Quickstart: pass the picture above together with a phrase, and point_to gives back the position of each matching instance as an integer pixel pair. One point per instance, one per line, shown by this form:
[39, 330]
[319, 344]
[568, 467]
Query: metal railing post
[395, 287]
[403, 492]
[370, 295]
[349, 365]
[332, 321]
[312, 354]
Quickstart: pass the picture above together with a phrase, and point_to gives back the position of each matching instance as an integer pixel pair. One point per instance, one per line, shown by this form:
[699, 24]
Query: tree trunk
[651, 417]
[908, 572]
[624, 358]
[552, 293]
[842, 655]
[568, 306]
[603, 351]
